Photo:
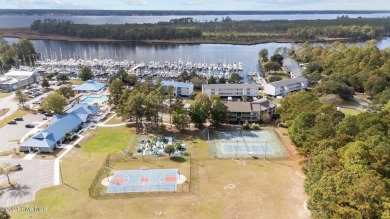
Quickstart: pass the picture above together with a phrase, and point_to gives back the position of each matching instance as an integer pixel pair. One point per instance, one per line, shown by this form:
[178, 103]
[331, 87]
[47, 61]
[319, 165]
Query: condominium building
[181, 88]
[283, 87]
[239, 112]
[231, 90]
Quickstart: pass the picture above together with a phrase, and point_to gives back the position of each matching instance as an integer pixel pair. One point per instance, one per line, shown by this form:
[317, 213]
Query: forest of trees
[117, 32]
[227, 30]
[22, 52]
[347, 162]
[150, 100]
[344, 70]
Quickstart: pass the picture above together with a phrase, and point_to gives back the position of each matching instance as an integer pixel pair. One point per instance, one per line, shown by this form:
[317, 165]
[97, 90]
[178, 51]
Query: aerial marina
[104, 68]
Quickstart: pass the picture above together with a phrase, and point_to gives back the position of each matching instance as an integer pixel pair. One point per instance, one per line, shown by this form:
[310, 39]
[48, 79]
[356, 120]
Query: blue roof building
[181, 88]
[47, 139]
[90, 86]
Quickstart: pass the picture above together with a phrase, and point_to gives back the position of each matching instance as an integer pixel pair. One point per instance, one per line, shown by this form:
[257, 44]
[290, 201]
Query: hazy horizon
[208, 5]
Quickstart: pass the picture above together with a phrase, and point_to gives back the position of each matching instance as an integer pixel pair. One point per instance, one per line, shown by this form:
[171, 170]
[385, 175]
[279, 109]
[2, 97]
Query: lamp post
[5, 116]
[236, 150]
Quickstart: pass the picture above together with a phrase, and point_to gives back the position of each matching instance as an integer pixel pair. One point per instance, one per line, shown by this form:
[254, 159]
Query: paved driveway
[36, 174]
[15, 132]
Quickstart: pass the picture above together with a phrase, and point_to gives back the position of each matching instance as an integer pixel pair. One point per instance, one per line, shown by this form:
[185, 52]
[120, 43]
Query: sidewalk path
[57, 175]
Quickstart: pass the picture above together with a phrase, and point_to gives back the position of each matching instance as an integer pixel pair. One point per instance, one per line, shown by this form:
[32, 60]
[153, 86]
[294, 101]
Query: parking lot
[36, 174]
[13, 133]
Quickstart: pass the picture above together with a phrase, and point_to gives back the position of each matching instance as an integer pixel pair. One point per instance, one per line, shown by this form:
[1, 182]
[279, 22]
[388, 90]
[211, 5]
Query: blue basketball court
[150, 180]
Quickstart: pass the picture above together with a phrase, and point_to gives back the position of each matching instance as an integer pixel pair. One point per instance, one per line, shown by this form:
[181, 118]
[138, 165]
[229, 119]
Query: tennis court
[150, 180]
[245, 143]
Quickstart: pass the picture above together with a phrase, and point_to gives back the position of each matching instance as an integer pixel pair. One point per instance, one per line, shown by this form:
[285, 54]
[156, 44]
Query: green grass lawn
[4, 94]
[349, 103]
[223, 188]
[106, 140]
[76, 82]
[282, 74]
[18, 113]
[348, 111]
[114, 120]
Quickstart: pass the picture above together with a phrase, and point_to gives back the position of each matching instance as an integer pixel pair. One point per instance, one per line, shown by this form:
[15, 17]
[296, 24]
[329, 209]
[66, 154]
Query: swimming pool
[91, 99]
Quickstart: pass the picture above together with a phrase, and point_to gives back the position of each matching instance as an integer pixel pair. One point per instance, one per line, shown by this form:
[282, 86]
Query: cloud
[136, 2]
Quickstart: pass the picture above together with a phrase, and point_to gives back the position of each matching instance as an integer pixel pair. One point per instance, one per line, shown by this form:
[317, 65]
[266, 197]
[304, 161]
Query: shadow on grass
[178, 159]
[279, 163]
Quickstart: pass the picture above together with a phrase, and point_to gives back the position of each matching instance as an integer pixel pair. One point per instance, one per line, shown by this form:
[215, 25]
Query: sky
[260, 5]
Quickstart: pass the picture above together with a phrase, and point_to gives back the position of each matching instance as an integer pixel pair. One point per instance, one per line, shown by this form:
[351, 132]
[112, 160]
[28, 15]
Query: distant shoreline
[87, 12]
[28, 34]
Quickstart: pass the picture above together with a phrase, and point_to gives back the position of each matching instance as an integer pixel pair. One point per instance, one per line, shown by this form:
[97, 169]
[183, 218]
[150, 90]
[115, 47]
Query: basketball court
[149, 180]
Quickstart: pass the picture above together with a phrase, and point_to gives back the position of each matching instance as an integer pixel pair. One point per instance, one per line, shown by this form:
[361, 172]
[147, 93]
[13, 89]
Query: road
[12, 103]
[36, 174]
[8, 102]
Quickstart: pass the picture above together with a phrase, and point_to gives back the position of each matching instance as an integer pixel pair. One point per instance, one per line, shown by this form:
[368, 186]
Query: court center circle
[144, 179]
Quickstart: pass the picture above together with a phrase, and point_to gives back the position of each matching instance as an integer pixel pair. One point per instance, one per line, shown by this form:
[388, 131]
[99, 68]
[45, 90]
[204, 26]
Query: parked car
[45, 118]
[19, 119]
[29, 126]
[17, 167]
[12, 122]
[37, 102]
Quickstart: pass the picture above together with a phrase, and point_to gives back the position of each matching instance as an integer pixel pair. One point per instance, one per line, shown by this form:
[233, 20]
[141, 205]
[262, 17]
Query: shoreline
[28, 34]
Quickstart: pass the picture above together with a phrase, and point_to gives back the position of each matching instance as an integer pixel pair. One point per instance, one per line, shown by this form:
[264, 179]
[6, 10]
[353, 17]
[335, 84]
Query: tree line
[20, 53]
[149, 100]
[86, 12]
[117, 32]
[227, 30]
[347, 163]
[344, 70]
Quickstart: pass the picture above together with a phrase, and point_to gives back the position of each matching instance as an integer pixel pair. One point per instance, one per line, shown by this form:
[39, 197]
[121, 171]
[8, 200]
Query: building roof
[19, 73]
[61, 124]
[287, 82]
[90, 85]
[82, 111]
[8, 80]
[293, 67]
[50, 135]
[177, 84]
[246, 107]
[227, 86]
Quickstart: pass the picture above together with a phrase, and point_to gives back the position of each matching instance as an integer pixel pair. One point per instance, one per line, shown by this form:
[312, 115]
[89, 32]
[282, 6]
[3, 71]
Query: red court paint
[170, 179]
[117, 180]
[144, 179]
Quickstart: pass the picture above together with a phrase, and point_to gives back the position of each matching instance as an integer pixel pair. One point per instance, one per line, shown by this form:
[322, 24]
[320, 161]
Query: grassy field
[348, 111]
[4, 94]
[76, 82]
[223, 188]
[16, 114]
[114, 120]
[349, 103]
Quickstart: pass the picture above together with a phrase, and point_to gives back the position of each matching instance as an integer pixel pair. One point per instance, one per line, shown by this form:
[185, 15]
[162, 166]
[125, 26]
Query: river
[12, 21]
[210, 53]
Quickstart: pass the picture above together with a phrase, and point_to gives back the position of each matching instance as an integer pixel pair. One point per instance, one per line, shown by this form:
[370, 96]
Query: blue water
[94, 98]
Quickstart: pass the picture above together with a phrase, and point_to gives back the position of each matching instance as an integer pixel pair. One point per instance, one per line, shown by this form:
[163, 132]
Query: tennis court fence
[98, 191]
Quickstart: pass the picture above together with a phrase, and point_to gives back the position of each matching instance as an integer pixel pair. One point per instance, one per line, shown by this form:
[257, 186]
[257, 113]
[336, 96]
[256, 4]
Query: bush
[246, 126]
[255, 126]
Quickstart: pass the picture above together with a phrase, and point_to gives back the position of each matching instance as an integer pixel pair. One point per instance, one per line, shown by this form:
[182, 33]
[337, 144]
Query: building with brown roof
[239, 112]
